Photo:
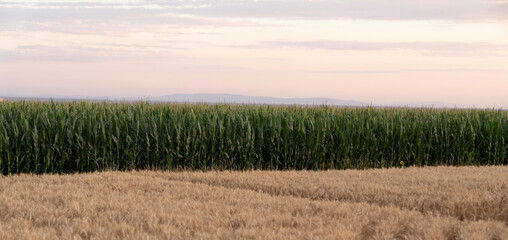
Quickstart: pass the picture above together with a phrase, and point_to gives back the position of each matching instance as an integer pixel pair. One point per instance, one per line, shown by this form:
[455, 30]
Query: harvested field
[408, 203]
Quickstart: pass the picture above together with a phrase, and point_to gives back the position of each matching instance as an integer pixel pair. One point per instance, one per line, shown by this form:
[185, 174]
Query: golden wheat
[466, 193]
[257, 205]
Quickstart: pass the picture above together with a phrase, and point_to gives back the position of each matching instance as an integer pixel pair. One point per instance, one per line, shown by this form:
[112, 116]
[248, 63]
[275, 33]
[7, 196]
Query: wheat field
[396, 203]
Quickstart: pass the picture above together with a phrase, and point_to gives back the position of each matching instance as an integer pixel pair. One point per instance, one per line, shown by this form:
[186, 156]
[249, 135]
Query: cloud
[359, 9]
[124, 18]
[103, 20]
[443, 70]
[431, 48]
[104, 52]
[344, 9]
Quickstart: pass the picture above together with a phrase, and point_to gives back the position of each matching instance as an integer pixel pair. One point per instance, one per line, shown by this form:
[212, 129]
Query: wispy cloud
[432, 48]
[357, 45]
[350, 9]
[415, 70]
[104, 20]
[358, 9]
[90, 53]
[121, 17]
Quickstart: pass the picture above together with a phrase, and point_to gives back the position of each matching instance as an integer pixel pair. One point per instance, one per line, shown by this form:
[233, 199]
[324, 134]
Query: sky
[384, 52]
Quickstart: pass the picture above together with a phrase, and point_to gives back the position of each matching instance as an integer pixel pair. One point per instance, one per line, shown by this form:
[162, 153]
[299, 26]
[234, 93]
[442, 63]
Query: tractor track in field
[488, 203]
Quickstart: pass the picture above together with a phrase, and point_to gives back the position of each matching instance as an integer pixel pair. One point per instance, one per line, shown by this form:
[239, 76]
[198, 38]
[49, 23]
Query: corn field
[50, 137]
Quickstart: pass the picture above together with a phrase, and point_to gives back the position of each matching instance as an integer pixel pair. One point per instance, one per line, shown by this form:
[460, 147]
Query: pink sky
[381, 52]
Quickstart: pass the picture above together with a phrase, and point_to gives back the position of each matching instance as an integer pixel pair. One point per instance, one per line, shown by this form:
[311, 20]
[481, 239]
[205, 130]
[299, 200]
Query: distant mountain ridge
[242, 99]
[238, 99]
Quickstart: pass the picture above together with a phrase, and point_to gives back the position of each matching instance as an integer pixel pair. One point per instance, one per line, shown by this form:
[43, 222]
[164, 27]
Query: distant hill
[241, 99]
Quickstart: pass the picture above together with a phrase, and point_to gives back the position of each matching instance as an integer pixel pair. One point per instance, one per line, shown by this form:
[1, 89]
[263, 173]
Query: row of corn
[50, 137]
